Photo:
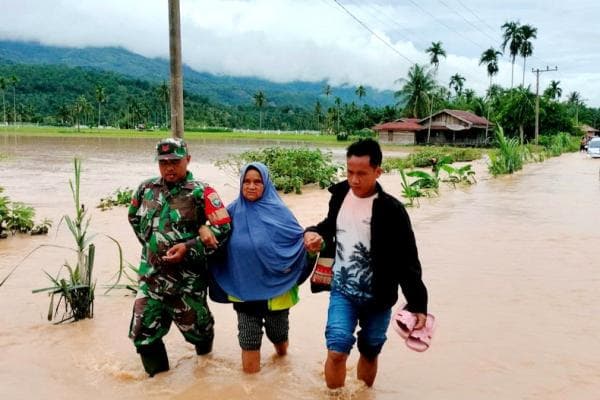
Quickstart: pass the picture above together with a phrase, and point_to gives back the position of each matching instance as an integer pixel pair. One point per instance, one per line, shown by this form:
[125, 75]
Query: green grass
[52, 131]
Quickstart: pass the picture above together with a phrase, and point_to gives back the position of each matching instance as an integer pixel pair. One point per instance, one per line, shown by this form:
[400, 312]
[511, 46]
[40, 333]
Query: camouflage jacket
[163, 216]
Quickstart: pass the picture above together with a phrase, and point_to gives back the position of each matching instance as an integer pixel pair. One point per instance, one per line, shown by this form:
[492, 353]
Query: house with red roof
[455, 127]
[400, 131]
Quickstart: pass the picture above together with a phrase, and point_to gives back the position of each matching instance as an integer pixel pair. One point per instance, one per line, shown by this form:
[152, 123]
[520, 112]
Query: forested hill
[217, 89]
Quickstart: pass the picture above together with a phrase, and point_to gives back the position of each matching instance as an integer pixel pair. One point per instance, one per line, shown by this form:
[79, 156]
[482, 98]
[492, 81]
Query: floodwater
[512, 266]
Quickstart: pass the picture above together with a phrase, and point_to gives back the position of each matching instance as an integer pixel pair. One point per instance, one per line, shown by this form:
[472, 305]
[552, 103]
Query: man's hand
[421, 319]
[175, 254]
[207, 237]
[312, 242]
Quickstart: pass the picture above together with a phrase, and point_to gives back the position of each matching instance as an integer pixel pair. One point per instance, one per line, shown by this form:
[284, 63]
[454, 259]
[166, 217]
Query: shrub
[120, 197]
[510, 155]
[290, 168]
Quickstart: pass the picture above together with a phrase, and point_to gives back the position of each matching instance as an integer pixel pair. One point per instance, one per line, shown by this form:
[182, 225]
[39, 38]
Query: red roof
[468, 116]
[400, 126]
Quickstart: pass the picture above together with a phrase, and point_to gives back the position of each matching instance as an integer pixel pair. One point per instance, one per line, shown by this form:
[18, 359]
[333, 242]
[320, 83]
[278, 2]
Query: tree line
[513, 108]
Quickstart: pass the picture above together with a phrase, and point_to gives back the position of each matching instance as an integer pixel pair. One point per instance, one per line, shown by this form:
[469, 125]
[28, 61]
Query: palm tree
[457, 82]
[327, 91]
[512, 37]
[3, 86]
[574, 99]
[164, 97]
[79, 109]
[490, 58]
[259, 101]
[417, 89]
[338, 106]
[360, 92]
[553, 91]
[100, 98]
[526, 48]
[13, 82]
[435, 51]
[318, 111]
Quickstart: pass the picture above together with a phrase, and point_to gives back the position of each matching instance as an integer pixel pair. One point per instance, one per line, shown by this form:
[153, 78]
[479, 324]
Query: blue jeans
[342, 318]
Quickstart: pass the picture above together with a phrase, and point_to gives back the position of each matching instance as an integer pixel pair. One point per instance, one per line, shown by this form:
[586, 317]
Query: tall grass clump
[510, 155]
[290, 168]
[76, 291]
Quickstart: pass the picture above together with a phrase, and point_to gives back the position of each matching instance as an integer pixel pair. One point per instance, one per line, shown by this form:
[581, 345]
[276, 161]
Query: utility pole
[176, 75]
[537, 98]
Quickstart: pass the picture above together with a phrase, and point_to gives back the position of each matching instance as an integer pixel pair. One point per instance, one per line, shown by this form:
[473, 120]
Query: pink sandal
[403, 322]
[419, 340]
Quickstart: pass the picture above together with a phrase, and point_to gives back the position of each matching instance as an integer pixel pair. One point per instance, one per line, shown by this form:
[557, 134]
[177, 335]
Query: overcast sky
[313, 40]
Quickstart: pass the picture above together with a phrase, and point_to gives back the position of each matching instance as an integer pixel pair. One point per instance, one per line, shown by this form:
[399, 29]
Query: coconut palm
[3, 86]
[360, 92]
[327, 91]
[435, 51]
[80, 108]
[526, 47]
[259, 101]
[553, 91]
[490, 59]
[574, 99]
[457, 82]
[338, 107]
[416, 89]
[13, 82]
[513, 38]
[164, 96]
[100, 98]
[318, 111]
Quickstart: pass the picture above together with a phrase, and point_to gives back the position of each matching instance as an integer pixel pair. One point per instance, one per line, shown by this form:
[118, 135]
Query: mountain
[217, 89]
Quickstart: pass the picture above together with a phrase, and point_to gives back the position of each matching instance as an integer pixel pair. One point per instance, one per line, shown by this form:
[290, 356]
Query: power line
[373, 33]
[445, 25]
[465, 19]
[376, 14]
[476, 16]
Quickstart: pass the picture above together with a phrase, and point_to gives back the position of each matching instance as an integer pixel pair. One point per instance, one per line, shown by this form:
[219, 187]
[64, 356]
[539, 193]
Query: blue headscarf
[265, 253]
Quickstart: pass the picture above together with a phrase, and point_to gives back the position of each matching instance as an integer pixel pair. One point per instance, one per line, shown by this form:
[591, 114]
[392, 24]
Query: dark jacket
[394, 256]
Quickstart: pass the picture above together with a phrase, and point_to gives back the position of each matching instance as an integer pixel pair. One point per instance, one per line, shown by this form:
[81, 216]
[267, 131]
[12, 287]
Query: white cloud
[285, 40]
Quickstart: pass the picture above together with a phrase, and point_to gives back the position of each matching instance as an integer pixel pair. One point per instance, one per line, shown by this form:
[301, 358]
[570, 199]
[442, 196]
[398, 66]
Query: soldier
[167, 214]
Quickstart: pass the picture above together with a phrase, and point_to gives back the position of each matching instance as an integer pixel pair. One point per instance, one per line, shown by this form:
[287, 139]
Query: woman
[264, 263]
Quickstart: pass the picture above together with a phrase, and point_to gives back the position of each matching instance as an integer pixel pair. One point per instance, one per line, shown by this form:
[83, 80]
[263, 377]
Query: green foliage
[462, 175]
[120, 197]
[76, 291]
[510, 156]
[425, 180]
[290, 168]
[19, 218]
[555, 145]
[409, 191]
[16, 217]
[429, 156]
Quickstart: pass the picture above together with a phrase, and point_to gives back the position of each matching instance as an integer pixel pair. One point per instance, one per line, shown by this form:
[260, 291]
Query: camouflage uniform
[162, 216]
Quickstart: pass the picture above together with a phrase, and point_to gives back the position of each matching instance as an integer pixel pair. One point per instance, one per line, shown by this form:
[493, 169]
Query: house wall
[448, 119]
[397, 137]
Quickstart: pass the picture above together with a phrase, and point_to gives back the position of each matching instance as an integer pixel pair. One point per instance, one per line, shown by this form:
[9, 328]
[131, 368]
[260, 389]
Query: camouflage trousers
[184, 304]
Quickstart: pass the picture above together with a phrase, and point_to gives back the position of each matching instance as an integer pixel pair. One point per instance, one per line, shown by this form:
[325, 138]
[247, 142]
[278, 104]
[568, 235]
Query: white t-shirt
[352, 273]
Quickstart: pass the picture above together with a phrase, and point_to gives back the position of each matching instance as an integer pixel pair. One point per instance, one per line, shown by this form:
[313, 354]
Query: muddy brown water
[512, 266]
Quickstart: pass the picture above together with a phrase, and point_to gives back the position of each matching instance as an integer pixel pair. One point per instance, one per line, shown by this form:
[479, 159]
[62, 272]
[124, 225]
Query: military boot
[154, 358]
[204, 348]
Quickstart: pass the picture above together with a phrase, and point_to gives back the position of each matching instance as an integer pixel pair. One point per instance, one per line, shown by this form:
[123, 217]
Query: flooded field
[511, 264]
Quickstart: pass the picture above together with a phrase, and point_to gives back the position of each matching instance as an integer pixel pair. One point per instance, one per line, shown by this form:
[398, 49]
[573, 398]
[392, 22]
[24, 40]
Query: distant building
[400, 131]
[456, 127]
[589, 131]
